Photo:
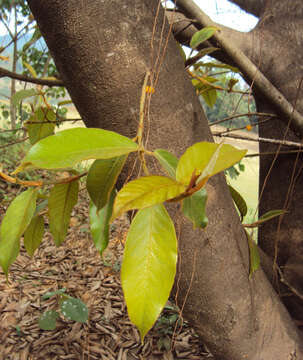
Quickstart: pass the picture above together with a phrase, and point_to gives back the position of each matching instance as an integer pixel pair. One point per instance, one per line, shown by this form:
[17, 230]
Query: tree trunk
[277, 34]
[102, 50]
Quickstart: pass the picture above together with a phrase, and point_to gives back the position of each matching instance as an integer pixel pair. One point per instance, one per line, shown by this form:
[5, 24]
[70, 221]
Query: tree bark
[102, 50]
[276, 33]
[254, 7]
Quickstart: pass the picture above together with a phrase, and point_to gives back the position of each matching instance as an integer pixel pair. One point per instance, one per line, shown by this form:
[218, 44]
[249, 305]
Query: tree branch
[259, 139]
[13, 75]
[240, 115]
[247, 67]
[254, 7]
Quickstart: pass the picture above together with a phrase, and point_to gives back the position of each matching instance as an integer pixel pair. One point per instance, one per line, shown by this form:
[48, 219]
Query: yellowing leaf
[68, 147]
[102, 177]
[31, 70]
[14, 223]
[62, 199]
[197, 157]
[33, 234]
[149, 265]
[4, 58]
[145, 192]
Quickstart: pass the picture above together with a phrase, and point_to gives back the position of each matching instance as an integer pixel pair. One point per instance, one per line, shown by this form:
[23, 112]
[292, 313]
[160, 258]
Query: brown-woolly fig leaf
[99, 223]
[102, 177]
[68, 147]
[14, 223]
[44, 127]
[33, 234]
[194, 208]
[149, 265]
[145, 192]
[168, 161]
[198, 158]
[62, 199]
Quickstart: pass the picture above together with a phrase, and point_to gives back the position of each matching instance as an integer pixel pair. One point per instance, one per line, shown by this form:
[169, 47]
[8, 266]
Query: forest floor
[77, 267]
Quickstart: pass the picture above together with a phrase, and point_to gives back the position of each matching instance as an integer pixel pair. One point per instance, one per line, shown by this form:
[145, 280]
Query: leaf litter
[78, 267]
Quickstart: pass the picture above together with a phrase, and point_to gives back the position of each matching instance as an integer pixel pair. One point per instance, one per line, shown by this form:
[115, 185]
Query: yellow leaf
[30, 69]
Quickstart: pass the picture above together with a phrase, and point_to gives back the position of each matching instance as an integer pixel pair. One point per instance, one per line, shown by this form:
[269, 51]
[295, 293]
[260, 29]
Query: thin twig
[211, 85]
[46, 82]
[274, 153]
[260, 139]
[14, 143]
[240, 115]
[291, 288]
[11, 130]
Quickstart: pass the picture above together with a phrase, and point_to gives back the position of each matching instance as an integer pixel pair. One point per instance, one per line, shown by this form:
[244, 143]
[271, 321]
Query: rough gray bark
[102, 50]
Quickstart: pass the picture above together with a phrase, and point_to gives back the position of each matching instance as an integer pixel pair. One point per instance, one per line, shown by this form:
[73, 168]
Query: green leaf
[50, 294]
[44, 128]
[33, 234]
[144, 192]
[102, 177]
[210, 97]
[47, 320]
[36, 36]
[149, 265]
[266, 217]
[74, 309]
[23, 94]
[202, 35]
[62, 199]
[270, 215]
[219, 66]
[68, 147]
[204, 52]
[168, 161]
[253, 255]
[197, 158]
[194, 208]
[41, 206]
[239, 201]
[14, 223]
[203, 86]
[99, 223]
